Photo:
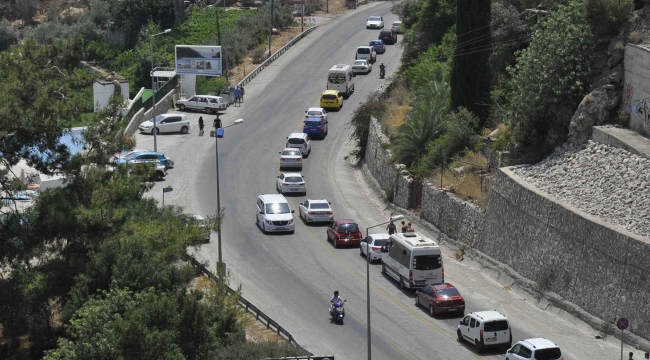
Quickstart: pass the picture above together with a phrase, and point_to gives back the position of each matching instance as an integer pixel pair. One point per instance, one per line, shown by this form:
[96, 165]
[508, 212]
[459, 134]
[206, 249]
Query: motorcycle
[337, 311]
[382, 73]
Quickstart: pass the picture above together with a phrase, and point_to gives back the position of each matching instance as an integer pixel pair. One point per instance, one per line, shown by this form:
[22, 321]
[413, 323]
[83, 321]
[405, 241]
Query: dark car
[388, 36]
[379, 46]
[344, 232]
[440, 299]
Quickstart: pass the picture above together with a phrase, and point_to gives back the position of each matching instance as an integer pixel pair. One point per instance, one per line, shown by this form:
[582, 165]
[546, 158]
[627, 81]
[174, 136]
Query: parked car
[366, 52]
[379, 46]
[274, 213]
[316, 211]
[388, 36]
[440, 299]
[397, 27]
[331, 99]
[160, 173]
[290, 158]
[291, 183]
[344, 232]
[537, 348]
[167, 123]
[372, 244]
[375, 22]
[315, 127]
[361, 67]
[316, 112]
[485, 328]
[208, 103]
[299, 141]
[142, 156]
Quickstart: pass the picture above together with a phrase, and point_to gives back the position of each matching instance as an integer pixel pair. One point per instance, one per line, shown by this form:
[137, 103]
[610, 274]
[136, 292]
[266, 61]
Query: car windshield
[548, 354]
[497, 325]
[291, 152]
[380, 242]
[360, 63]
[293, 179]
[277, 208]
[447, 292]
[315, 113]
[427, 262]
[349, 227]
[296, 141]
[319, 206]
[374, 18]
[363, 51]
[329, 97]
[313, 122]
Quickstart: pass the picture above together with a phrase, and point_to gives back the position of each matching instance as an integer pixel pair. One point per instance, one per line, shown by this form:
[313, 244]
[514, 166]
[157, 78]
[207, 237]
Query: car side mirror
[461, 322]
[293, 211]
[509, 351]
[262, 212]
[280, 152]
[330, 203]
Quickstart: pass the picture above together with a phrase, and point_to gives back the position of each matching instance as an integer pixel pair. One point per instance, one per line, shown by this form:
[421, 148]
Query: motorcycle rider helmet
[336, 293]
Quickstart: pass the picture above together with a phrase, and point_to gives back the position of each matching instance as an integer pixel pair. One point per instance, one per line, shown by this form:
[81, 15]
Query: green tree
[130, 16]
[434, 19]
[607, 16]
[470, 76]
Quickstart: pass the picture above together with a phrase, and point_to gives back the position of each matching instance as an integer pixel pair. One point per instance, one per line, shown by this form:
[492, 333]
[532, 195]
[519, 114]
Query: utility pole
[327, 9]
[302, 17]
[271, 28]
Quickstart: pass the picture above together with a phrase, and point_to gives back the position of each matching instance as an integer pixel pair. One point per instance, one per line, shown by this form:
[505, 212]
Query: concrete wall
[162, 107]
[636, 94]
[102, 92]
[591, 269]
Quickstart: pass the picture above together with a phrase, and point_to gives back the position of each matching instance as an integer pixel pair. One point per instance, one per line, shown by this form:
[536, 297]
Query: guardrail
[259, 314]
[275, 55]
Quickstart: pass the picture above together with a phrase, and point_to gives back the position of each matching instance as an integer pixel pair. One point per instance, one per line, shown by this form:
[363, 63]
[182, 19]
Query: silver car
[290, 158]
[316, 211]
[291, 183]
[361, 67]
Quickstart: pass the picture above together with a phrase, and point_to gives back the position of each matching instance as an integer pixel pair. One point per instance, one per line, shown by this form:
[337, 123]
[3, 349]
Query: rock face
[595, 109]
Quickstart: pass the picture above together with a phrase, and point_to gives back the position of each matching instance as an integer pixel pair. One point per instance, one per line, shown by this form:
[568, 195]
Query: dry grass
[463, 178]
[398, 106]
[335, 7]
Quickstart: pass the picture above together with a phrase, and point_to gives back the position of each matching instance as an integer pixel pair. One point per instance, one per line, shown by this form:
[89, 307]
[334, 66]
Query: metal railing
[148, 104]
[259, 314]
[276, 55]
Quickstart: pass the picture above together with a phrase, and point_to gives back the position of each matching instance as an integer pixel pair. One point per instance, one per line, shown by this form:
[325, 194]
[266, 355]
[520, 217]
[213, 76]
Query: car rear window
[447, 292]
[363, 51]
[380, 242]
[277, 208]
[375, 42]
[313, 123]
[385, 32]
[329, 97]
[349, 227]
[548, 354]
[314, 113]
[292, 179]
[296, 141]
[319, 206]
[496, 325]
[427, 262]
[291, 152]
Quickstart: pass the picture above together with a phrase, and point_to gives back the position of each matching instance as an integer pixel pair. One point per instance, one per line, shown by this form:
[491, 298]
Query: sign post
[622, 324]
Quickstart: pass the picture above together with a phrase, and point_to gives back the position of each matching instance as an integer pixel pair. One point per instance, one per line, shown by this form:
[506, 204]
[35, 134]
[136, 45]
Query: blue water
[73, 140]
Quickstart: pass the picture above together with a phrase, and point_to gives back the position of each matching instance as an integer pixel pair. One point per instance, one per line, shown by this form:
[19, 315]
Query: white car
[299, 141]
[290, 158]
[208, 103]
[167, 123]
[316, 211]
[397, 27]
[366, 52]
[538, 348]
[274, 213]
[361, 67]
[374, 242]
[485, 329]
[291, 183]
[375, 22]
[316, 112]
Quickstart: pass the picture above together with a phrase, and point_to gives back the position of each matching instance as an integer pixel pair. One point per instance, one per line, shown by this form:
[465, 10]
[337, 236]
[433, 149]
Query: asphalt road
[291, 277]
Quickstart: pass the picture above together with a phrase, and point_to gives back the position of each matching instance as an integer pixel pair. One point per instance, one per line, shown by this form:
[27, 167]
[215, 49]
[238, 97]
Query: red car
[344, 232]
[440, 298]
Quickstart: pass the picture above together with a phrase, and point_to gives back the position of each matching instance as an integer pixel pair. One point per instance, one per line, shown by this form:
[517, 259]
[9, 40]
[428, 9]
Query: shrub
[259, 55]
[360, 123]
[635, 37]
[407, 11]
[7, 36]
[26, 9]
[254, 351]
[606, 16]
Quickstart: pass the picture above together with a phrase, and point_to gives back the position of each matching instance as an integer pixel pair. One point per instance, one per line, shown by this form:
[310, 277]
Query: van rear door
[496, 332]
[427, 268]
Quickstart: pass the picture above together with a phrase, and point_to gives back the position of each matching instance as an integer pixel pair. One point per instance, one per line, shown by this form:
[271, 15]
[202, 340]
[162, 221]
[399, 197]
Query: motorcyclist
[335, 299]
[382, 67]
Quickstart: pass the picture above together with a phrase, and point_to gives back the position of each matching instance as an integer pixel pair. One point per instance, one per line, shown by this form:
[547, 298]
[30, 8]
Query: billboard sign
[198, 60]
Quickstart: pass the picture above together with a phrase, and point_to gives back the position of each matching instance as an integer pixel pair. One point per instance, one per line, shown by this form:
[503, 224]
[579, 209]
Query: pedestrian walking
[410, 227]
[391, 228]
[201, 126]
[631, 356]
[647, 356]
[217, 123]
[237, 95]
[404, 227]
[242, 92]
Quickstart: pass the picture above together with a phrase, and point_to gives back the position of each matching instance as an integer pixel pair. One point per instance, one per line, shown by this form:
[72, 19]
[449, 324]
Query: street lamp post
[216, 145]
[166, 189]
[392, 218]
[155, 129]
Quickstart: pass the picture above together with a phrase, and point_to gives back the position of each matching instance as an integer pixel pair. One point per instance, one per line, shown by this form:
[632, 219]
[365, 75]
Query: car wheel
[159, 175]
[360, 251]
[479, 346]
[459, 335]
[336, 243]
[417, 300]
[432, 310]
[383, 269]
[184, 130]
[401, 283]
[181, 107]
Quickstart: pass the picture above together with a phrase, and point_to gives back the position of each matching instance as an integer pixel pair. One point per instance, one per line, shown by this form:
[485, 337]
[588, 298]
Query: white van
[274, 213]
[414, 260]
[340, 78]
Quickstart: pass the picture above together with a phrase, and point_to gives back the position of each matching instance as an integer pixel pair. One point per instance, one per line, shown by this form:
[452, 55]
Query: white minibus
[340, 77]
[414, 260]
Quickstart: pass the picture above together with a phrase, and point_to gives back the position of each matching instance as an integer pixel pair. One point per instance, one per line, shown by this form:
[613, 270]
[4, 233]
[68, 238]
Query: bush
[255, 351]
[26, 9]
[607, 16]
[360, 123]
[407, 11]
[7, 36]
[259, 55]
